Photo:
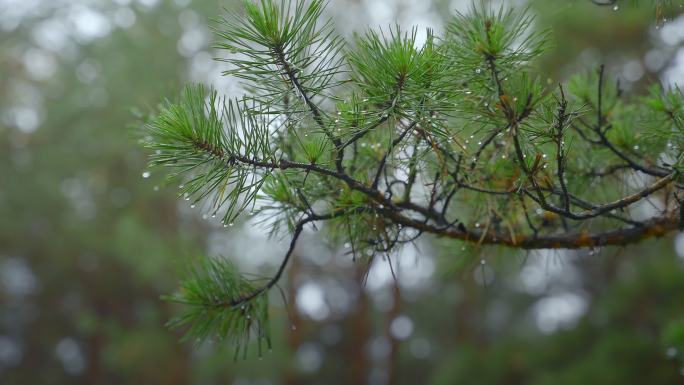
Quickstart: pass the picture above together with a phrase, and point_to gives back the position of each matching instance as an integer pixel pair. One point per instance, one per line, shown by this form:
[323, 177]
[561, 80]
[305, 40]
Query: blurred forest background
[89, 239]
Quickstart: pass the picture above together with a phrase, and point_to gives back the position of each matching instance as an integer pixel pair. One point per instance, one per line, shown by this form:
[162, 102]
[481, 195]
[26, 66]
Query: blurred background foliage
[89, 240]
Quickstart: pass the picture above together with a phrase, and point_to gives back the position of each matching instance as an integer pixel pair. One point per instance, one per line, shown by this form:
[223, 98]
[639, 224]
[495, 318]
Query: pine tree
[381, 140]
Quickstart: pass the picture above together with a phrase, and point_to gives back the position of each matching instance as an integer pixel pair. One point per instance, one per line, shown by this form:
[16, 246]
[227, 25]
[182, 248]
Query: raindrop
[484, 276]
[347, 245]
[146, 174]
[483, 262]
[477, 225]
[616, 7]
[478, 70]
[636, 148]
[231, 224]
[192, 206]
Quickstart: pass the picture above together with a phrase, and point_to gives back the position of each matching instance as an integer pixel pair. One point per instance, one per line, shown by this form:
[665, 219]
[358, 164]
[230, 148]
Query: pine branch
[204, 141]
[438, 138]
[210, 311]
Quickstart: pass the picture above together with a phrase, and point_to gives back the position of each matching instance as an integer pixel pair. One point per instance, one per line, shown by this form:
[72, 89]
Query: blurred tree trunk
[393, 358]
[466, 332]
[359, 329]
[93, 371]
[295, 323]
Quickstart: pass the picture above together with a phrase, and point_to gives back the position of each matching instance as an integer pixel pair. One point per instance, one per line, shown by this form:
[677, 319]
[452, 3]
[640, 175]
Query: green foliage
[504, 35]
[201, 139]
[276, 42]
[213, 310]
[399, 77]
[456, 137]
